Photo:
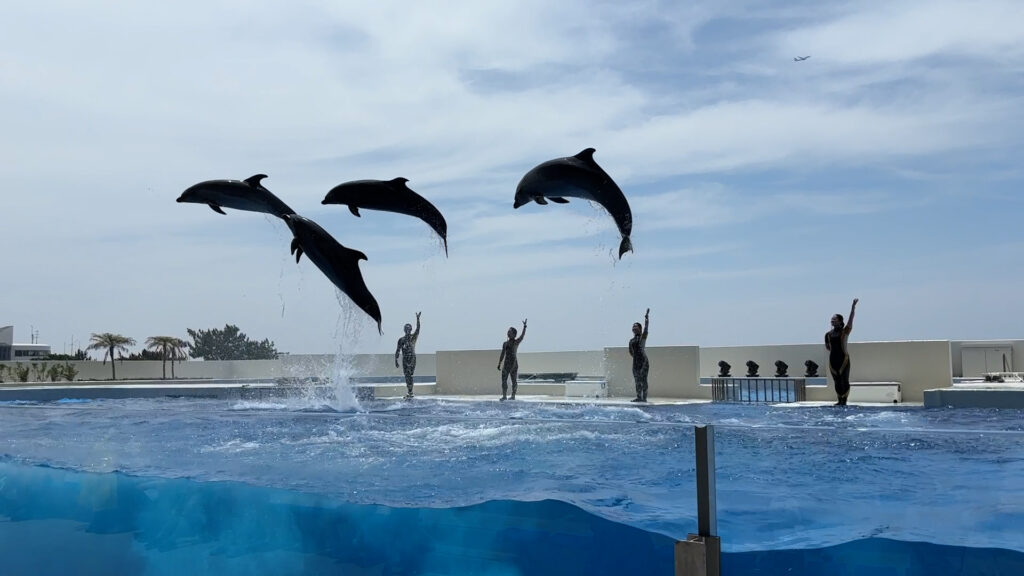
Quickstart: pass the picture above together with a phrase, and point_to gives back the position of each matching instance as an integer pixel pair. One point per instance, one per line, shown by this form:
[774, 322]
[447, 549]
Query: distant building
[9, 351]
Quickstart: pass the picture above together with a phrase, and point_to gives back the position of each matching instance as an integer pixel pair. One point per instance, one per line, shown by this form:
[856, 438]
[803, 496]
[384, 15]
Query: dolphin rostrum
[246, 194]
[389, 196]
[577, 176]
[338, 263]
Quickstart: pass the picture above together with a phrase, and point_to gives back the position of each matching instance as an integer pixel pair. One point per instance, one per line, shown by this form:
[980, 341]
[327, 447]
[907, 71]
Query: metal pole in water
[701, 553]
[707, 521]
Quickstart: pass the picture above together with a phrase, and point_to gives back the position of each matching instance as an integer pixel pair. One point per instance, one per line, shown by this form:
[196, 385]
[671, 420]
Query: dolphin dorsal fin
[398, 182]
[586, 155]
[254, 180]
[354, 254]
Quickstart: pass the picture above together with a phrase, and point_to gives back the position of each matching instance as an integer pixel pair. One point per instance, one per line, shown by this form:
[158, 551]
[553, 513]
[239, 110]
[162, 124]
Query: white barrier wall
[765, 356]
[475, 371]
[323, 365]
[291, 366]
[918, 366]
[674, 372]
[151, 369]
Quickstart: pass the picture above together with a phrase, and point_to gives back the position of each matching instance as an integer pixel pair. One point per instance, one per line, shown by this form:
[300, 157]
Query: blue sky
[766, 193]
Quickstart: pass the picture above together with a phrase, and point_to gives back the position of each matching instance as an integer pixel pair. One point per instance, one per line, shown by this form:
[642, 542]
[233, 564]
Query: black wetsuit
[839, 363]
[510, 367]
[407, 348]
[641, 366]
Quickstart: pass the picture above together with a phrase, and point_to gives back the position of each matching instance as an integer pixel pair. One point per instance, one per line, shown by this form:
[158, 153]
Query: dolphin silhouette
[389, 196]
[338, 263]
[577, 176]
[246, 194]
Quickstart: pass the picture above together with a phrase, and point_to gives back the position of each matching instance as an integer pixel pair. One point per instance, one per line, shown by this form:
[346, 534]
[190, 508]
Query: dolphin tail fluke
[625, 246]
[445, 242]
[379, 329]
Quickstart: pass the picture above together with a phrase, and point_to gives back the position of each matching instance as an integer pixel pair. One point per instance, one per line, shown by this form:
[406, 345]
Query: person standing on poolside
[838, 357]
[638, 350]
[407, 349]
[509, 353]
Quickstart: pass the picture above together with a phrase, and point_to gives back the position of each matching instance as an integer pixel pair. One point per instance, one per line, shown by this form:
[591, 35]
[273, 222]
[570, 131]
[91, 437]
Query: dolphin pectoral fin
[298, 255]
[558, 200]
[625, 246]
[354, 210]
[216, 208]
[254, 180]
[540, 200]
[296, 249]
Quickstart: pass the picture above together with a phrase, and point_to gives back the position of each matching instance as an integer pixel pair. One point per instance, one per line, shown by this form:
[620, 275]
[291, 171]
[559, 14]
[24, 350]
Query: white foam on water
[232, 446]
[259, 405]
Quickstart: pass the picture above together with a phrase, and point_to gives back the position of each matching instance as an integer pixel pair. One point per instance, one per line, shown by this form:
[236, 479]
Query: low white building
[12, 352]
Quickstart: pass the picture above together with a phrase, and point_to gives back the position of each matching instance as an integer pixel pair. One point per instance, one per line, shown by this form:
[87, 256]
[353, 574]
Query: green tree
[169, 348]
[228, 344]
[111, 344]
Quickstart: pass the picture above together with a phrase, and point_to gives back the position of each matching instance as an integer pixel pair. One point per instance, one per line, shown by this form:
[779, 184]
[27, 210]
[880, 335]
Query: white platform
[886, 392]
[586, 389]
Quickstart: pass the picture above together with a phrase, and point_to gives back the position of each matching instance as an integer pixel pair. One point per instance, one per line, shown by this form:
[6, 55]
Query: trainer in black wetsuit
[838, 357]
[509, 351]
[407, 349]
[638, 350]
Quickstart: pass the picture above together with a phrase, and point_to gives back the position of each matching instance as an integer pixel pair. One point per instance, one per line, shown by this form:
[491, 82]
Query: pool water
[459, 487]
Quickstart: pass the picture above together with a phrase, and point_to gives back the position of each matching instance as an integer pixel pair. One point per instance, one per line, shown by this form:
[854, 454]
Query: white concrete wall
[917, 365]
[675, 372]
[475, 371]
[793, 354]
[151, 369]
[322, 365]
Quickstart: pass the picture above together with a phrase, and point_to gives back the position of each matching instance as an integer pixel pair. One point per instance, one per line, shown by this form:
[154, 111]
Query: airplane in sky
[800, 58]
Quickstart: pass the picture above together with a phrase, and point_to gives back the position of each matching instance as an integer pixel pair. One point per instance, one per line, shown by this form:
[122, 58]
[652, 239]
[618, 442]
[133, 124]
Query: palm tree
[111, 343]
[169, 347]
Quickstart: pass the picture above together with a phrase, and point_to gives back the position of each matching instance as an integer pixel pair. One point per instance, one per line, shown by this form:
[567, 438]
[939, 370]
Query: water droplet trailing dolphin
[248, 194]
[388, 196]
[338, 263]
[577, 176]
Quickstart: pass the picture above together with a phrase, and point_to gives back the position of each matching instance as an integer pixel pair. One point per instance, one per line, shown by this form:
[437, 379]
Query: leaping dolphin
[577, 176]
[338, 263]
[246, 194]
[389, 196]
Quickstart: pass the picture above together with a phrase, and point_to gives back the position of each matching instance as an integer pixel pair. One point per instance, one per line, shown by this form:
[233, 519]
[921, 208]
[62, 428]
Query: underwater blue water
[450, 487]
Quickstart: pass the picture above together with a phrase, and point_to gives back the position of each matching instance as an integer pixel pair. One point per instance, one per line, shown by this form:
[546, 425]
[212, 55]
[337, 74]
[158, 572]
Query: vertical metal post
[701, 554]
[707, 521]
